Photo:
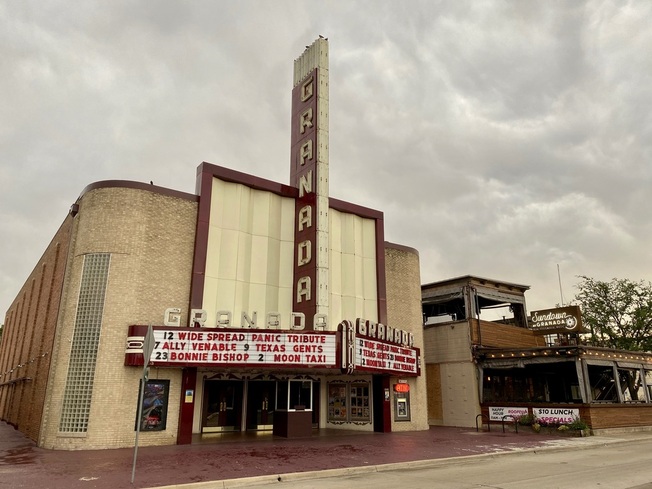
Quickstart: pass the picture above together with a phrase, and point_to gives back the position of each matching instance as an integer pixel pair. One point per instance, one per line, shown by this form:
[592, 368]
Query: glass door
[222, 405]
[261, 399]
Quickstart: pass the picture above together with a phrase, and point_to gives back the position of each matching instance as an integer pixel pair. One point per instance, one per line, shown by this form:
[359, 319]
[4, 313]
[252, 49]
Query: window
[648, 383]
[349, 402]
[86, 337]
[603, 385]
[631, 385]
[294, 395]
[337, 402]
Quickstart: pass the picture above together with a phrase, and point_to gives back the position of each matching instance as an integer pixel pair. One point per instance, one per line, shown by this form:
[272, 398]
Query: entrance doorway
[237, 405]
[261, 400]
[222, 406]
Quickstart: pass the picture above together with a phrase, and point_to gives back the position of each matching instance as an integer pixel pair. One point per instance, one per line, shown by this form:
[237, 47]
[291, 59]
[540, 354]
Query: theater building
[260, 306]
[485, 366]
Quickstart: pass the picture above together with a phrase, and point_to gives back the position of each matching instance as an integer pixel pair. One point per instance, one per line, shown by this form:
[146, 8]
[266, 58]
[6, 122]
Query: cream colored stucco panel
[272, 275]
[271, 299]
[335, 280]
[336, 310]
[349, 307]
[241, 297]
[348, 233]
[244, 264]
[348, 275]
[225, 297]
[260, 213]
[213, 251]
[358, 279]
[228, 256]
[369, 239]
[284, 302]
[257, 301]
[286, 264]
[335, 232]
[370, 310]
[210, 298]
[274, 217]
[225, 205]
[358, 236]
[370, 285]
[246, 209]
[287, 219]
[260, 258]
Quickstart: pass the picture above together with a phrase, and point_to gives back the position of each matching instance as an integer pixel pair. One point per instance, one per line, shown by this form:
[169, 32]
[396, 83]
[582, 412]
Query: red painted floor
[22, 465]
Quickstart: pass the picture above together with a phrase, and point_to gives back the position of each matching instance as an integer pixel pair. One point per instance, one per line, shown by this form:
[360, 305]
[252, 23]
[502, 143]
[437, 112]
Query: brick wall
[30, 325]
[404, 311]
[150, 237]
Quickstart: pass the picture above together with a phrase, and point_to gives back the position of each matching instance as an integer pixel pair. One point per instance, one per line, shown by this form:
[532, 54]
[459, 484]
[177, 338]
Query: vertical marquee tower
[309, 173]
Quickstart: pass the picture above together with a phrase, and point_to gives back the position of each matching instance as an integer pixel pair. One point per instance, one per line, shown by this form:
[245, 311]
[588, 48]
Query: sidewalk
[22, 465]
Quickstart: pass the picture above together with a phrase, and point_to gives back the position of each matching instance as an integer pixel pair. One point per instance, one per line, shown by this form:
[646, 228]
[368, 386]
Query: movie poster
[155, 405]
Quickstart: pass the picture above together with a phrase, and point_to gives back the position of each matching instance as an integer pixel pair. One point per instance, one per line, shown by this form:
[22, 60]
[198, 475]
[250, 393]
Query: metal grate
[86, 337]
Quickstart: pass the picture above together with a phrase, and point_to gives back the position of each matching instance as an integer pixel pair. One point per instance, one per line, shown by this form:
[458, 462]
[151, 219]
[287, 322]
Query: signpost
[148, 348]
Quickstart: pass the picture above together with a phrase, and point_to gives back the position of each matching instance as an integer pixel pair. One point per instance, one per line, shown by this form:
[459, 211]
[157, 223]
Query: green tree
[617, 313]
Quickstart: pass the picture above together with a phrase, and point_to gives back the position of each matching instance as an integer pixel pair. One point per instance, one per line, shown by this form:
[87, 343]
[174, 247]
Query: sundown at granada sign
[559, 320]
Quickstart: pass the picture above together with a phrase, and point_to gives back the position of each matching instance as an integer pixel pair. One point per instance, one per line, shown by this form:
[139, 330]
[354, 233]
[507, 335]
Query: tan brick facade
[150, 234]
[403, 278]
[30, 323]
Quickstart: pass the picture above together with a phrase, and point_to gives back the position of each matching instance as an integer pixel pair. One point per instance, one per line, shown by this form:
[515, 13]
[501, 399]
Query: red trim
[138, 186]
[187, 409]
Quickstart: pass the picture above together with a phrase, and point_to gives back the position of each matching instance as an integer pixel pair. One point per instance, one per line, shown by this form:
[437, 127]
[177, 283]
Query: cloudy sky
[500, 139]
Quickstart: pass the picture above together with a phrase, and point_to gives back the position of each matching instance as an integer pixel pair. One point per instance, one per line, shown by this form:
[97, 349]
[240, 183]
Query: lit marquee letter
[273, 320]
[305, 153]
[197, 317]
[306, 89]
[320, 322]
[248, 322]
[301, 317]
[304, 252]
[223, 319]
[305, 184]
[305, 121]
[172, 316]
[305, 217]
[303, 289]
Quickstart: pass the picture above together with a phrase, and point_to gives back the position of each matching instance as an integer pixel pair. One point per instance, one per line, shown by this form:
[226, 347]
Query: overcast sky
[500, 139]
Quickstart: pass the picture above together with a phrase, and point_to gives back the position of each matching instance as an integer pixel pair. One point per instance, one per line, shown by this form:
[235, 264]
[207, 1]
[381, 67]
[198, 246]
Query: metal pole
[148, 348]
[138, 422]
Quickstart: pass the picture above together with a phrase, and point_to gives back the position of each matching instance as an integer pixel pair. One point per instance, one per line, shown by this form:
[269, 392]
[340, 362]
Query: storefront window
[300, 395]
[294, 395]
[337, 402]
[603, 386]
[349, 402]
[360, 402]
[631, 385]
[648, 382]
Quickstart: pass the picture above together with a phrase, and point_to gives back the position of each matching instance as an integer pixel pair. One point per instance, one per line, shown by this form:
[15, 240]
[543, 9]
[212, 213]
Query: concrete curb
[586, 443]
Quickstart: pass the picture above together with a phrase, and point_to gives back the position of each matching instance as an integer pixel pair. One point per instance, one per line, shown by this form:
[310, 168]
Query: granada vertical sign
[309, 173]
